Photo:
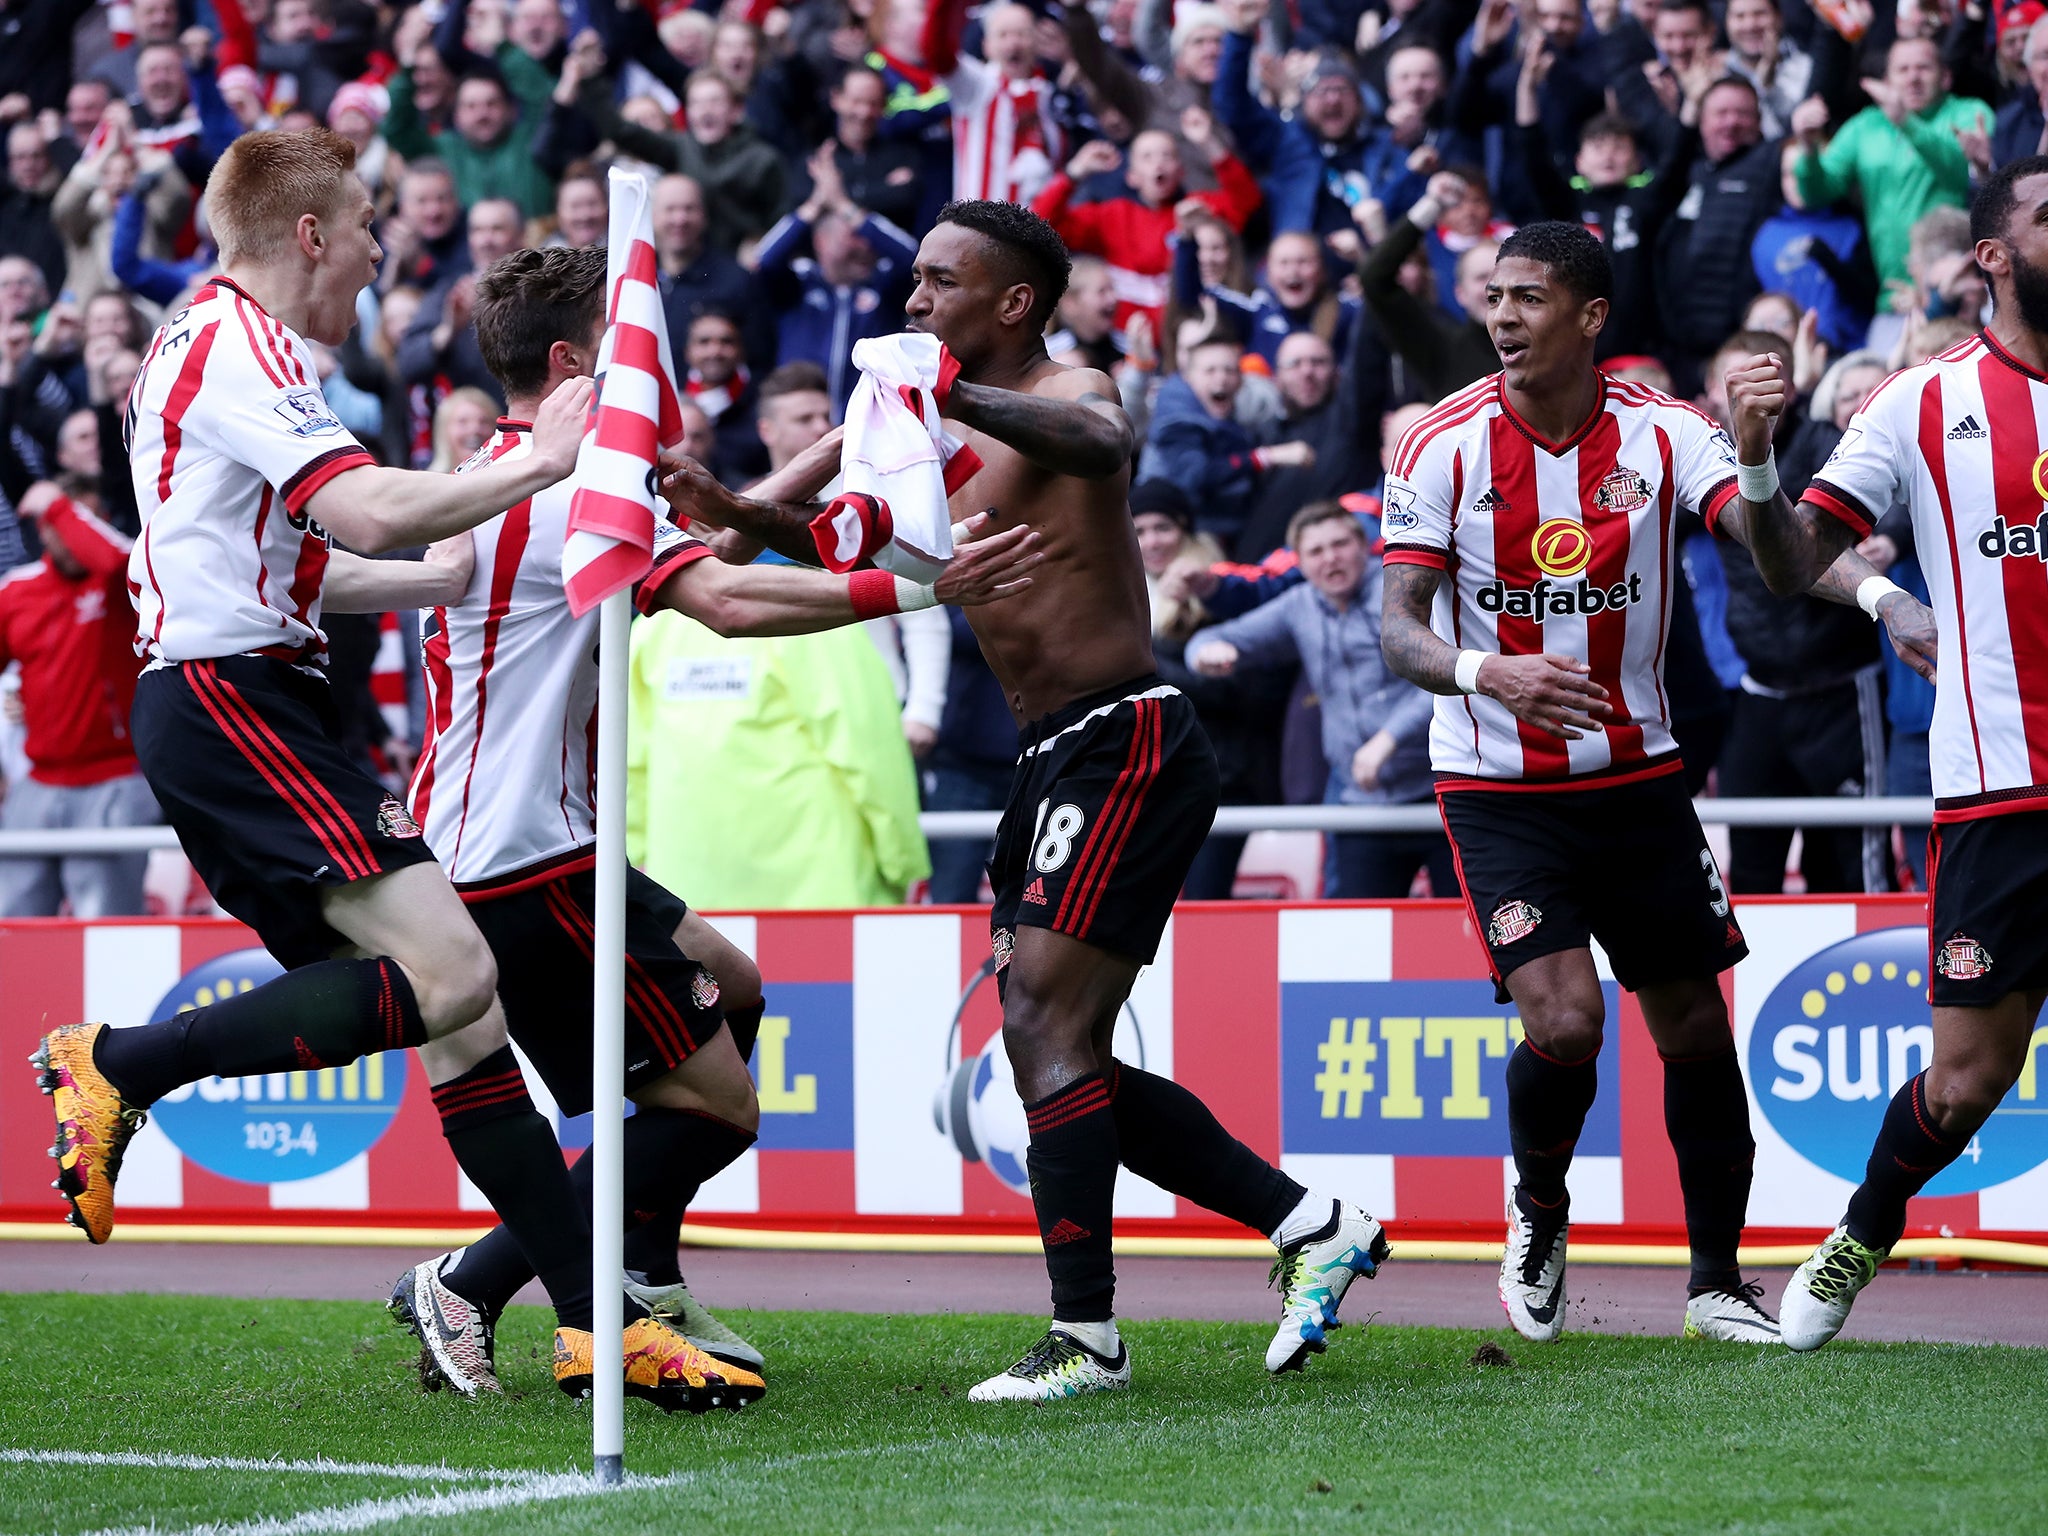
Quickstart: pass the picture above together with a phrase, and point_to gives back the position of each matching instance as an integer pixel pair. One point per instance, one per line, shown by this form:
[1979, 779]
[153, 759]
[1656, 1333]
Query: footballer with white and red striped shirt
[504, 792]
[240, 469]
[1546, 494]
[1960, 439]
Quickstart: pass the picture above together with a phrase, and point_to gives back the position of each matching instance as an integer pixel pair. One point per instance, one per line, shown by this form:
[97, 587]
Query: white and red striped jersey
[503, 789]
[1962, 439]
[1559, 547]
[229, 436]
[1006, 144]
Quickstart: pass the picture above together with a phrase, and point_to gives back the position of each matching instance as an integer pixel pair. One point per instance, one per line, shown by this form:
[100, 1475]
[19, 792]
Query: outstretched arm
[1806, 548]
[356, 585]
[777, 515]
[1077, 428]
[375, 509]
[1553, 693]
[777, 600]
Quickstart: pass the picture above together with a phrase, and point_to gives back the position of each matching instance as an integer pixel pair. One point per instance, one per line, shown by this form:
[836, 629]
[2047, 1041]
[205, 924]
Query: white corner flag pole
[608, 1055]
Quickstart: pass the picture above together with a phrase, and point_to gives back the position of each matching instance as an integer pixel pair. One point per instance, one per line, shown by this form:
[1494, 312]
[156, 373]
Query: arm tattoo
[1089, 437]
[1793, 547]
[1414, 650]
[1838, 583]
[784, 527]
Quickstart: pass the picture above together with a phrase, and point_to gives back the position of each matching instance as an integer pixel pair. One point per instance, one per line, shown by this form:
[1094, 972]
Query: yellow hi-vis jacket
[769, 772]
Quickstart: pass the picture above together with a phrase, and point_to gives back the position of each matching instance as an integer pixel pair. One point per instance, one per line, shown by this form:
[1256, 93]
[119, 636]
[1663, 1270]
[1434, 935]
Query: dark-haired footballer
[1550, 488]
[1958, 439]
[1114, 791]
[503, 793]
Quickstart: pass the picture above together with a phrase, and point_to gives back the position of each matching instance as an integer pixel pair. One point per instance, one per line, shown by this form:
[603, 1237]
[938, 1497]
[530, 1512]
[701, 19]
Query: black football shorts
[1550, 869]
[1987, 890]
[542, 936]
[244, 755]
[1111, 798]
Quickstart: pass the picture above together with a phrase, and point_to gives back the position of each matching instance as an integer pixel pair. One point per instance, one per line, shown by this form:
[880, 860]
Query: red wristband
[873, 594]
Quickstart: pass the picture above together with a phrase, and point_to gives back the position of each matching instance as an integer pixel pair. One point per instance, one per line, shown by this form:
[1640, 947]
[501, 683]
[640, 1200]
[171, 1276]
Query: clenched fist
[1757, 395]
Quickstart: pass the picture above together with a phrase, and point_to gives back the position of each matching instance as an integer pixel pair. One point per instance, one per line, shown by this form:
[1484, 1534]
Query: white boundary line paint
[505, 1489]
[364, 1515]
[319, 1465]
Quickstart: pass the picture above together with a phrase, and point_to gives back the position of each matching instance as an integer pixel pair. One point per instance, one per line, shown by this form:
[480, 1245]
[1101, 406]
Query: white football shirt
[229, 436]
[504, 789]
[1963, 439]
[1559, 547]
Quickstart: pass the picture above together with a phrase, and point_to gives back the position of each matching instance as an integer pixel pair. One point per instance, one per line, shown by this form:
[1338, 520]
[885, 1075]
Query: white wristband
[1758, 482]
[910, 596]
[1874, 590]
[1467, 675]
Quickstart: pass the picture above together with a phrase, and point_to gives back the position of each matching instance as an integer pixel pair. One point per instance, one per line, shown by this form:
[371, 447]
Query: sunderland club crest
[1962, 958]
[1512, 921]
[1624, 490]
[394, 820]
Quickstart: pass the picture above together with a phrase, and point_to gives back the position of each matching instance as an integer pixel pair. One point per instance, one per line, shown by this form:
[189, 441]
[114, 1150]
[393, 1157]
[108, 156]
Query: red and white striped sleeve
[1419, 505]
[1702, 464]
[673, 549]
[263, 407]
[1870, 465]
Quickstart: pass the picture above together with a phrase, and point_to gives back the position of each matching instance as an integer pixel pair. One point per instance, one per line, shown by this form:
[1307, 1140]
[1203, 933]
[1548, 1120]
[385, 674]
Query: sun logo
[1561, 547]
[2041, 488]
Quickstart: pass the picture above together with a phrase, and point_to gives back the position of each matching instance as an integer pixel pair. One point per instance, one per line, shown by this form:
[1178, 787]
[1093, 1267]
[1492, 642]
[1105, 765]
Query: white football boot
[1730, 1316]
[1821, 1291]
[1313, 1277]
[455, 1337]
[1057, 1366]
[1532, 1278]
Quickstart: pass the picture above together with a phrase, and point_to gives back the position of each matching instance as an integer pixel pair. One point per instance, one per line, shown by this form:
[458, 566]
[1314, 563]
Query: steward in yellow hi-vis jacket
[769, 772]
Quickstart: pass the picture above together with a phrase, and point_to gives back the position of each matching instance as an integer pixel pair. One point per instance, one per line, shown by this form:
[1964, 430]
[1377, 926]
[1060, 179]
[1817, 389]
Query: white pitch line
[365, 1514]
[399, 1471]
[506, 1490]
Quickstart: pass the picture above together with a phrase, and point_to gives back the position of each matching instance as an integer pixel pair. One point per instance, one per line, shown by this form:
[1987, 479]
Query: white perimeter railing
[1875, 811]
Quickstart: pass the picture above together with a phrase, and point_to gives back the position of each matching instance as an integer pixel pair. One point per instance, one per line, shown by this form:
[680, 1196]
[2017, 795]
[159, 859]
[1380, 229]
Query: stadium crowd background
[1283, 215]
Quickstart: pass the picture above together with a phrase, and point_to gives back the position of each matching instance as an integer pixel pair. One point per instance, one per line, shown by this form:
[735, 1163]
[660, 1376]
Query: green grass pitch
[866, 1428]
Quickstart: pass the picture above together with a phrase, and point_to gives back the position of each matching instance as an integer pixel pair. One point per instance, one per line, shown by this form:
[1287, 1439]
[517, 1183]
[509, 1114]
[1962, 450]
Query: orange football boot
[94, 1126]
[661, 1366]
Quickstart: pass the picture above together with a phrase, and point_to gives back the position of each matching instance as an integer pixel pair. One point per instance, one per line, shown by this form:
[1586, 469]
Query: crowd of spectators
[1283, 218]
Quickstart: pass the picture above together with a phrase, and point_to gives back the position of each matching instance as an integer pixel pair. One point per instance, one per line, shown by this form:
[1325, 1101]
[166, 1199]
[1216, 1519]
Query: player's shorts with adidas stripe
[1987, 883]
[1547, 868]
[244, 755]
[541, 932]
[1111, 799]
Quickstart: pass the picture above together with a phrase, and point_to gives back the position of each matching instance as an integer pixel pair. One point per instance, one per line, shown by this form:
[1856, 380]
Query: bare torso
[1085, 623]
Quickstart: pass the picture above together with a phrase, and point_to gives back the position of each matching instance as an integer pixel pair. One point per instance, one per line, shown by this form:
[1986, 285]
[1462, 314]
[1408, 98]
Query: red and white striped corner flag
[635, 414]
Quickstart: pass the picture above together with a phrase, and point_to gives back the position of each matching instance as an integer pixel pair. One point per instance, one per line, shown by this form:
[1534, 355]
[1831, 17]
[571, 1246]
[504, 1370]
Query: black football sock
[1910, 1149]
[1706, 1114]
[1072, 1161]
[323, 1015]
[744, 1024]
[508, 1151]
[1165, 1134]
[683, 1148]
[1547, 1104]
[669, 1152]
[652, 1248]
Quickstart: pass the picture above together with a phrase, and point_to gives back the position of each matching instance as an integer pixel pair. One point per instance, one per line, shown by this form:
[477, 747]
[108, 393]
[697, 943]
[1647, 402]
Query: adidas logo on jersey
[1034, 893]
[1490, 500]
[1966, 429]
[1554, 599]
